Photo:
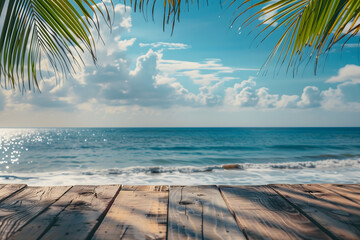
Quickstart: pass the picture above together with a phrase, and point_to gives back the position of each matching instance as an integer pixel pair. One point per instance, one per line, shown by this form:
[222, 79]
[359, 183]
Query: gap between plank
[14, 193]
[41, 212]
[102, 216]
[337, 193]
[322, 228]
[167, 216]
[53, 221]
[242, 229]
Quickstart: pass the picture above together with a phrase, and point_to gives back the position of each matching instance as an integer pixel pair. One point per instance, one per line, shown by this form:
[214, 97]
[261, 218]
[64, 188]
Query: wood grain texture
[7, 190]
[21, 208]
[349, 191]
[262, 214]
[199, 212]
[42, 223]
[303, 211]
[138, 212]
[77, 220]
[151, 188]
[339, 216]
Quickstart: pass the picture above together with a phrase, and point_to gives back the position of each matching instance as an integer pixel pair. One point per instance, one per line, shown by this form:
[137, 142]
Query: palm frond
[37, 29]
[308, 28]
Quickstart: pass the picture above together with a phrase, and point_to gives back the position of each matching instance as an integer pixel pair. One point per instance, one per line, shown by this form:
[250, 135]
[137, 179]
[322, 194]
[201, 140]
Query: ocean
[177, 156]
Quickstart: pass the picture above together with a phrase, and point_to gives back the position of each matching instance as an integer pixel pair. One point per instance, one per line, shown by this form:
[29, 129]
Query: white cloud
[249, 82]
[246, 95]
[202, 78]
[124, 44]
[351, 45]
[202, 73]
[126, 22]
[208, 96]
[268, 16]
[208, 64]
[332, 98]
[167, 45]
[287, 101]
[241, 94]
[351, 25]
[350, 74]
[266, 100]
[245, 98]
[310, 97]
[139, 86]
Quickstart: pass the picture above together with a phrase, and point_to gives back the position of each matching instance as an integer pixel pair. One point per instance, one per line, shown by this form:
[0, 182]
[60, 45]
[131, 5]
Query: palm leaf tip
[307, 28]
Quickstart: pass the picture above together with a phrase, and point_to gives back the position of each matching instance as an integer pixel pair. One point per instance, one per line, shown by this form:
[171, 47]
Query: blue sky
[205, 74]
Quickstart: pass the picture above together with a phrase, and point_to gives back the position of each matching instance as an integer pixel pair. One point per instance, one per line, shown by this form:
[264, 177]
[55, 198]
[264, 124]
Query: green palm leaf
[308, 28]
[37, 29]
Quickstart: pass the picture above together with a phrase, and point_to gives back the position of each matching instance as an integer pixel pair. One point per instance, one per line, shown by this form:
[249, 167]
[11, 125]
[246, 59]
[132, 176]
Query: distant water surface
[59, 156]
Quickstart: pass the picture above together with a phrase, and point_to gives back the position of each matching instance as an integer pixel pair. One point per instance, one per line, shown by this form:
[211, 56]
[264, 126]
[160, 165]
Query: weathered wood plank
[138, 212]
[199, 212]
[149, 188]
[263, 214]
[42, 223]
[350, 191]
[7, 190]
[339, 216]
[22, 207]
[77, 220]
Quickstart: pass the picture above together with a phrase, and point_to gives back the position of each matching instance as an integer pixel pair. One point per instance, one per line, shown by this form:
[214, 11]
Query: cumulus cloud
[209, 95]
[166, 45]
[332, 98]
[287, 101]
[241, 94]
[266, 100]
[310, 97]
[139, 86]
[245, 94]
[350, 74]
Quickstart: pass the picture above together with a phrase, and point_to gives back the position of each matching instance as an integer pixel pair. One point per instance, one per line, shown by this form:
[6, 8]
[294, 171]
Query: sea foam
[325, 171]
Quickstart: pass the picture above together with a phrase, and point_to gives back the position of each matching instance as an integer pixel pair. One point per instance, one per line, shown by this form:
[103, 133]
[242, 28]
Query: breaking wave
[323, 164]
[324, 171]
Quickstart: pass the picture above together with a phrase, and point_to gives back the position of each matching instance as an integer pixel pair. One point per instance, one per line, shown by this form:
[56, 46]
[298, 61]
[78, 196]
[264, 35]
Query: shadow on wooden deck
[304, 211]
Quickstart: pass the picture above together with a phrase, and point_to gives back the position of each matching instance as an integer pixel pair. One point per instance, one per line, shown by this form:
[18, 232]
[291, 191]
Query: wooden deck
[306, 211]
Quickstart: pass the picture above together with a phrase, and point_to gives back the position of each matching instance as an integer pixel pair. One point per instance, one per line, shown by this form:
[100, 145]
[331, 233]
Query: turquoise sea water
[43, 156]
